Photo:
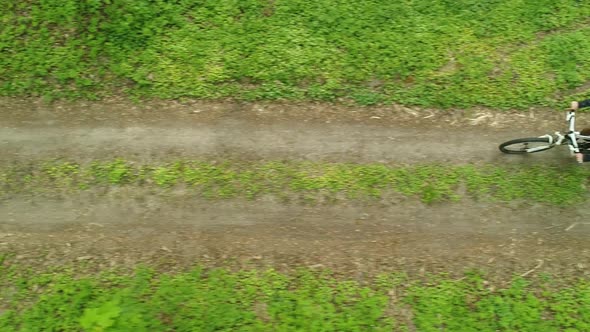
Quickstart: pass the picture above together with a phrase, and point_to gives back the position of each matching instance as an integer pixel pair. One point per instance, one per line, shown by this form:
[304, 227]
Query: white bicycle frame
[559, 138]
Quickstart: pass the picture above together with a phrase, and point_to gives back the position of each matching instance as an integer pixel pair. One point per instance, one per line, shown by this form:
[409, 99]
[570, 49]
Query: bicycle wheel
[526, 145]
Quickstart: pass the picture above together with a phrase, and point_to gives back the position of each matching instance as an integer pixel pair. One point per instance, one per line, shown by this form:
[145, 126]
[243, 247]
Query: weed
[248, 300]
[503, 54]
[312, 181]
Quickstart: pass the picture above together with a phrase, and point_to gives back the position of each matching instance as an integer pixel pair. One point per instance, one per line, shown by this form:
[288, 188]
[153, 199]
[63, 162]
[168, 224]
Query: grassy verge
[505, 53]
[219, 300]
[310, 181]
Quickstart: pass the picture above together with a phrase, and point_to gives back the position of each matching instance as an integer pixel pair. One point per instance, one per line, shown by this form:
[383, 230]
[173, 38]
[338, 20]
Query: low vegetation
[308, 181]
[500, 54]
[220, 300]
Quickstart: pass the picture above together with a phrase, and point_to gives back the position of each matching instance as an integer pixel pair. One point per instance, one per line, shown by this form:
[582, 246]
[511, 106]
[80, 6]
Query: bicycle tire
[506, 146]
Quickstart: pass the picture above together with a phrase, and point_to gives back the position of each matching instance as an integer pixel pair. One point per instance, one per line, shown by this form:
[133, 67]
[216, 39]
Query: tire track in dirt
[351, 238]
[31, 130]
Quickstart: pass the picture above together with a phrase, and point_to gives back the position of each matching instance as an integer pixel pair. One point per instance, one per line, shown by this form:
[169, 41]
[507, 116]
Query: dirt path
[122, 227]
[89, 131]
[358, 240]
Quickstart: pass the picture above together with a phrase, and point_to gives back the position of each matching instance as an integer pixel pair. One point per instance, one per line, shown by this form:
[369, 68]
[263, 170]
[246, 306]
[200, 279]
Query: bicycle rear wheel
[526, 145]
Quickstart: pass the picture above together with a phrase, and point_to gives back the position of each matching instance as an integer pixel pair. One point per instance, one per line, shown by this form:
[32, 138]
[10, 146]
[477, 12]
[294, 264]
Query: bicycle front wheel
[526, 145]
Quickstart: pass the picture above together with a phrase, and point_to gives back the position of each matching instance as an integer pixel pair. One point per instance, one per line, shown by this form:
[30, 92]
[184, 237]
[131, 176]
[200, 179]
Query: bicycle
[548, 141]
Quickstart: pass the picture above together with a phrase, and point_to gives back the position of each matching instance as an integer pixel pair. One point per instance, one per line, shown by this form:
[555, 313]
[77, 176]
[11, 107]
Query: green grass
[250, 300]
[308, 181]
[502, 54]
